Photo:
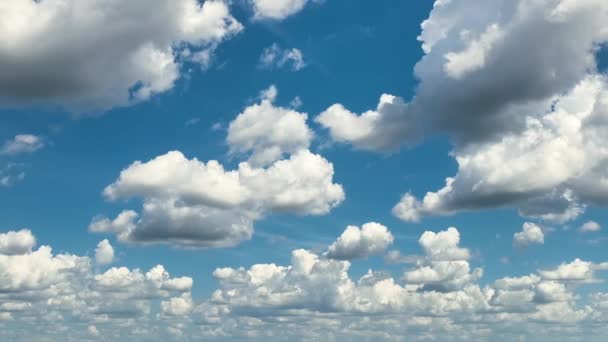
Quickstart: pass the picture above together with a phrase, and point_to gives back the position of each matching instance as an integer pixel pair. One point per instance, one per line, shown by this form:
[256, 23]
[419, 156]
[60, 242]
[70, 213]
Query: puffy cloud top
[372, 238]
[17, 242]
[530, 234]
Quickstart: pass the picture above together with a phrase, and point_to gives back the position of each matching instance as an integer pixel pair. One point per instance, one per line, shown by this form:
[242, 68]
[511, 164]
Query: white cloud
[92, 330]
[268, 132]
[11, 174]
[577, 270]
[17, 242]
[104, 253]
[124, 53]
[546, 170]
[373, 238]
[531, 234]
[277, 9]
[22, 143]
[372, 130]
[190, 203]
[526, 131]
[54, 294]
[315, 297]
[276, 57]
[590, 226]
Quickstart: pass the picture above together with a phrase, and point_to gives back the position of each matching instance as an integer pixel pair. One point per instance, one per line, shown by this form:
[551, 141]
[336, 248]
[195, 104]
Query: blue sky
[475, 103]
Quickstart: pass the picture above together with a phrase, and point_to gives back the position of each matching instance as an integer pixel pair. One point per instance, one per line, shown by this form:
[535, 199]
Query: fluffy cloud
[531, 140]
[372, 238]
[314, 296]
[276, 57]
[278, 9]
[373, 130]
[122, 54]
[48, 295]
[17, 242]
[546, 170]
[268, 132]
[530, 234]
[104, 253]
[191, 203]
[45, 292]
[590, 226]
[577, 270]
[22, 143]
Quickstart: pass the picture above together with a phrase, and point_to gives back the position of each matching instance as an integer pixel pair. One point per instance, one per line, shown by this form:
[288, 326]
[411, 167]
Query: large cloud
[527, 130]
[188, 202]
[191, 203]
[97, 54]
[43, 295]
[545, 169]
[51, 296]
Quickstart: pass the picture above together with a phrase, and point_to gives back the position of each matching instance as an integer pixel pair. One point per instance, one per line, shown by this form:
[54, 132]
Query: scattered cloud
[278, 9]
[43, 295]
[371, 239]
[590, 226]
[531, 234]
[104, 253]
[274, 57]
[22, 143]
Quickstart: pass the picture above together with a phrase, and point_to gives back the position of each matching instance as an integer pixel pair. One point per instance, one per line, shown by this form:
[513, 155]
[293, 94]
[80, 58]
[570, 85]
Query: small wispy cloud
[22, 143]
[275, 57]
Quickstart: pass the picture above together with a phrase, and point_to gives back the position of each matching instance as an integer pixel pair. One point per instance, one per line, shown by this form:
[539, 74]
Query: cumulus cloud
[314, 296]
[278, 9]
[104, 253]
[42, 292]
[268, 132]
[371, 239]
[526, 131]
[191, 203]
[590, 226]
[531, 234]
[276, 57]
[22, 143]
[577, 270]
[17, 242]
[125, 53]
[548, 170]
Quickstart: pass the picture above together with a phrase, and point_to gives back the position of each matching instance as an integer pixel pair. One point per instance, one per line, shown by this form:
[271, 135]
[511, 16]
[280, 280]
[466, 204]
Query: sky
[280, 170]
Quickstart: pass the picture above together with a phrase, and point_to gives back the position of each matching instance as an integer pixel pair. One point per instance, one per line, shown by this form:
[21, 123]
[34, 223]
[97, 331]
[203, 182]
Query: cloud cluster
[526, 131]
[102, 54]
[191, 203]
[314, 296]
[268, 132]
[44, 294]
